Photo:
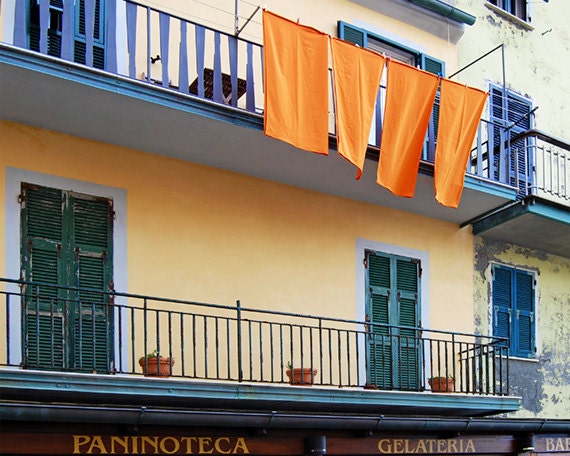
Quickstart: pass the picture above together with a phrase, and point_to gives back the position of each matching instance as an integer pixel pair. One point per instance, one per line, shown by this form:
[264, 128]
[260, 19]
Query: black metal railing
[51, 328]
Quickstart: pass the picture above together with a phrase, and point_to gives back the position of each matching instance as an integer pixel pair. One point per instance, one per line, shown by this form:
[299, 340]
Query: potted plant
[300, 375]
[442, 384]
[154, 365]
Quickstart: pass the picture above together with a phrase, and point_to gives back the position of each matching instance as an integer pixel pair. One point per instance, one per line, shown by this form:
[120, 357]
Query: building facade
[146, 213]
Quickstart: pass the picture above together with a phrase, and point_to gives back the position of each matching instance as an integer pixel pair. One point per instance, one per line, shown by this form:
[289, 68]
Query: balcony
[218, 353]
[157, 82]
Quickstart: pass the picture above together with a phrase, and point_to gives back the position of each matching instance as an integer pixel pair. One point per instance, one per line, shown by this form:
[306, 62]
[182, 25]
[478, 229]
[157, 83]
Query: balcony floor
[120, 390]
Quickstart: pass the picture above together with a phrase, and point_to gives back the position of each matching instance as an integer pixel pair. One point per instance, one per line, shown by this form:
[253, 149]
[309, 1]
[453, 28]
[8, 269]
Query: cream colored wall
[543, 383]
[209, 235]
[537, 61]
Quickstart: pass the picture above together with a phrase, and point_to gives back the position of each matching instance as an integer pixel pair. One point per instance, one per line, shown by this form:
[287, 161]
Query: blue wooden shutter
[524, 314]
[513, 309]
[435, 66]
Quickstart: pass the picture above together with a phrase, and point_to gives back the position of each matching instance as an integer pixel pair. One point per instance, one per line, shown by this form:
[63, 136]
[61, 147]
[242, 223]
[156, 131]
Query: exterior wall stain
[543, 383]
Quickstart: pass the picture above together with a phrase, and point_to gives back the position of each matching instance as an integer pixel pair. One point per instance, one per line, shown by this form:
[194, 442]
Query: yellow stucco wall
[203, 234]
[544, 382]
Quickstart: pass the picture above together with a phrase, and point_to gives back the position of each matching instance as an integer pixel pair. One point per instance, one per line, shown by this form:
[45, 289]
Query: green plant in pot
[303, 376]
[154, 365]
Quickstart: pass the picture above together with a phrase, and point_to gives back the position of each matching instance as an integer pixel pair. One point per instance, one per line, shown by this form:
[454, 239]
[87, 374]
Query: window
[517, 8]
[66, 242]
[403, 54]
[510, 116]
[392, 300]
[514, 309]
[55, 29]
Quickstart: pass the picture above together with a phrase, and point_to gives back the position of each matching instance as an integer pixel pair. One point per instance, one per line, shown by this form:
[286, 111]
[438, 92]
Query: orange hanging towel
[410, 94]
[295, 83]
[459, 115]
[356, 74]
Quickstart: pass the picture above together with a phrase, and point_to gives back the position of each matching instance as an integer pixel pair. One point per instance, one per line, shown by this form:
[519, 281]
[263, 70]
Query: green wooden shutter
[91, 244]
[98, 34]
[407, 283]
[43, 262]
[380, 343]
[67, 242]
[502, 301]
[435, 66]
[351, 33]
[393, 354]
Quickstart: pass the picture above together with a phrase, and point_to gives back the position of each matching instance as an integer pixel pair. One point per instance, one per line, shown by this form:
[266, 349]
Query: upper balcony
[77, 345]
[156, 82]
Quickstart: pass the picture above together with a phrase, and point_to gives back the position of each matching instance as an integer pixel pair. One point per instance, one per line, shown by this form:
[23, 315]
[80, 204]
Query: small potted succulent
[154, 365]
[301, 375]
[442, 384]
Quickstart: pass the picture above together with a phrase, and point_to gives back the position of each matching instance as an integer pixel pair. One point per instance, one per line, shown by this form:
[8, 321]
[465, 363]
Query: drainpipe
[437, 6]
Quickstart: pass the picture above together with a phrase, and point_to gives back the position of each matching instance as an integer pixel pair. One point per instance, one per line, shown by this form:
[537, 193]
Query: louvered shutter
[502, 299]
[43, 261]
[98, 33]
[66, 242]
[91, 245]
[524, 314]
[351, 33]
[434, 66]
[407, 282]
[514, 113]
[380, 340]
[393, 353]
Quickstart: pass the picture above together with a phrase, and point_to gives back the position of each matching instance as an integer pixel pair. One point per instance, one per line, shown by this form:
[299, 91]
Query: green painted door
[67, 252]
[393, 308]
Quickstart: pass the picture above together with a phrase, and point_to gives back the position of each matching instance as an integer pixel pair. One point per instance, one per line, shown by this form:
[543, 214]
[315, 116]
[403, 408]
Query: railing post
[239, 358]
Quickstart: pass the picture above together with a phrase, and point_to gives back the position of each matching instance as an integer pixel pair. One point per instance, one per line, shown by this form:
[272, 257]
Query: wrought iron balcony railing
[83, 330]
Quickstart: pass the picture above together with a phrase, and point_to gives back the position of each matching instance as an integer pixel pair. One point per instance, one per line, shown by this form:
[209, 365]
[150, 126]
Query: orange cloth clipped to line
[459, 115]
[356, 75]
[410, 94]
[295, 83]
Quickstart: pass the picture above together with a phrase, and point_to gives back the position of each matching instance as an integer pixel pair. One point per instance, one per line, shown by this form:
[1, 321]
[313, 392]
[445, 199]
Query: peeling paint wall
[543, 383]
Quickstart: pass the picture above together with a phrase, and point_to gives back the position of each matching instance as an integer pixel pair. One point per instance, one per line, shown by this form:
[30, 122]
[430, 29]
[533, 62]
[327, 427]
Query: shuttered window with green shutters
[67, 250]
[404, 54]
[55, 27]
[392, 308]
[514, 309]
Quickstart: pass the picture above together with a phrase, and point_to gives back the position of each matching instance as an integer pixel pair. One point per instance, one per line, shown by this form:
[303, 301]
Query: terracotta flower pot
[301, 376]
[155, 367]
[442, 384]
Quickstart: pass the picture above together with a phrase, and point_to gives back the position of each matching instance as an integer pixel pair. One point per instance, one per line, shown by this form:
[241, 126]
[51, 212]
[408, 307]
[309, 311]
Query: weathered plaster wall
[537, 60]
[543, 383]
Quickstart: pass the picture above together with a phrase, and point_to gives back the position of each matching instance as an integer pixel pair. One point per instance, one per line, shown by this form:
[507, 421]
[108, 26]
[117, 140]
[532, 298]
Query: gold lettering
[202, 442]
[122, 441]
[442, 446]
[152, 441]
[384, 446]
[398, 446]
[470, 447]
[175, 445]
[79, 441]
[241, 445]
[431, 443]
[567, 443]
[135, 444]
[188, 441]
[421, 447]
[559, 445]
[549, 444]
[97, 442]
[218, 447]
[452, 446]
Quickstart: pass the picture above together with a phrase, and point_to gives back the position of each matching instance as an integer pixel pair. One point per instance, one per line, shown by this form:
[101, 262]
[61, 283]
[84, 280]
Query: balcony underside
[533, 223]
[72, 99]
[33, 386]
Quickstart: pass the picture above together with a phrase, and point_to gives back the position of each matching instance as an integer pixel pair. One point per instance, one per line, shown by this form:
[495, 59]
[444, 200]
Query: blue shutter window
[514, 309]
